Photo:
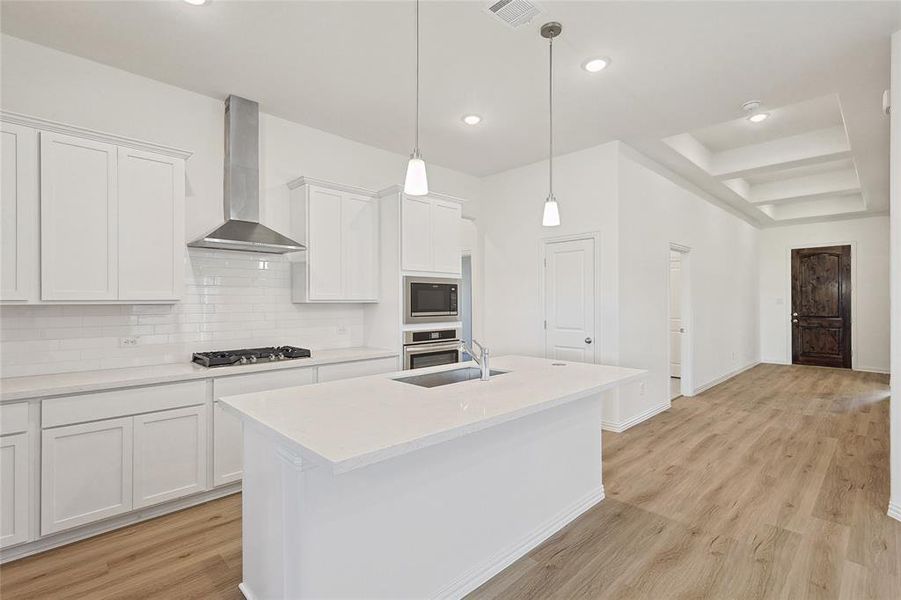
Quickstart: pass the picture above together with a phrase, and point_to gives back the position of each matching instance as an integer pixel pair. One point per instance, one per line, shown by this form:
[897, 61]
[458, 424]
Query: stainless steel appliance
[242, 229]
[430, 300]
[430, 348]
[244, 356]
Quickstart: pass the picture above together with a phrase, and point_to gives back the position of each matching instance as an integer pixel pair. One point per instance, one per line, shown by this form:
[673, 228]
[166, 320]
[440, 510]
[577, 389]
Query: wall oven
[430, 300]
[431, 348]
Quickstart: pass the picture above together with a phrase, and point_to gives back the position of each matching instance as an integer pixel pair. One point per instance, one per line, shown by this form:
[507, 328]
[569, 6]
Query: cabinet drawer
[259, 382]
[13, 418]
[119, 403]
[357, 369]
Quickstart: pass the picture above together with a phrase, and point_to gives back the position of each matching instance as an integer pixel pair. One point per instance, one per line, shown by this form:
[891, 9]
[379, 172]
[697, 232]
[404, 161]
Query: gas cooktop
[246, 356]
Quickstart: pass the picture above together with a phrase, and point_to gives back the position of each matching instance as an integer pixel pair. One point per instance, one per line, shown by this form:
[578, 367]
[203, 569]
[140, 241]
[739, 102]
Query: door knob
[588, 340]
[794, 320]
[794, 314]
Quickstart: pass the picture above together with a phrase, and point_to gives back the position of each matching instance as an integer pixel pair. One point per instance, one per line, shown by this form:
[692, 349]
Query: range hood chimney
[242, 229]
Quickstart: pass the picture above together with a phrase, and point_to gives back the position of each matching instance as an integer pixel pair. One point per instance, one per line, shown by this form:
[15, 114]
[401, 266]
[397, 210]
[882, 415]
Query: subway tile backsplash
[231, 300]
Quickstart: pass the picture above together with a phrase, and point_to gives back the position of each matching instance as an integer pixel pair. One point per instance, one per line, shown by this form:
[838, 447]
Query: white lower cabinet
[356, 369]
[170, 455]
[228, 446]
[228, 441]
[14, 486]
[86, 473]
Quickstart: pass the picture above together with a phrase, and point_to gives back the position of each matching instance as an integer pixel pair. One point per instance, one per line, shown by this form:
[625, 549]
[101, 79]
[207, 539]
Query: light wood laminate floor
[771, 485]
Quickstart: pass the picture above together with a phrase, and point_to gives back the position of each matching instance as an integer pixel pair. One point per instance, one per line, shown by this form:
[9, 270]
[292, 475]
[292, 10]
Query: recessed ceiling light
[759, 117]
[472, 119]
[197, 2]
[593, 65]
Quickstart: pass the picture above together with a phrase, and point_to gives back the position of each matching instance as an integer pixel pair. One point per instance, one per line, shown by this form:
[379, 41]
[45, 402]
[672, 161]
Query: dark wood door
[821, 306]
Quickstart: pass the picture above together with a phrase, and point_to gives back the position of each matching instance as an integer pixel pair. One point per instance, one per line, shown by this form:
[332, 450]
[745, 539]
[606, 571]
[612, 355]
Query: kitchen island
[380, 488]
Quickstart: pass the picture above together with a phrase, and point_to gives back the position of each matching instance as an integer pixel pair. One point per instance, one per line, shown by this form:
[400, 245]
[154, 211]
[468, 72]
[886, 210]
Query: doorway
[675, 324]
[821, 306]
[678, 317]
[570, 298]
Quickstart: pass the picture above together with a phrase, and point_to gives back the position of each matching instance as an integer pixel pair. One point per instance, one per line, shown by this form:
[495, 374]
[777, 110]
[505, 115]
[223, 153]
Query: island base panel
[434, 523]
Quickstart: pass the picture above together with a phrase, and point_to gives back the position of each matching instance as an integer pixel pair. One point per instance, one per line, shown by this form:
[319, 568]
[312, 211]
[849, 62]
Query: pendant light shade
[551, 216]
[416, 182]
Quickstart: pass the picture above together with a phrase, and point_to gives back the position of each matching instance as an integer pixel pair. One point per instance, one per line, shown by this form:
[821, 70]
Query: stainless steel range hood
[242, 229]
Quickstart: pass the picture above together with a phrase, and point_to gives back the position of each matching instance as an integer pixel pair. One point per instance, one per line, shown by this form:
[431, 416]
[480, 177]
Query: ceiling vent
[514, 12]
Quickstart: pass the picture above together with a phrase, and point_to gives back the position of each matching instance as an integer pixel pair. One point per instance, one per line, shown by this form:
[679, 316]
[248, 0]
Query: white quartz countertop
[352, 423]
[39, 386]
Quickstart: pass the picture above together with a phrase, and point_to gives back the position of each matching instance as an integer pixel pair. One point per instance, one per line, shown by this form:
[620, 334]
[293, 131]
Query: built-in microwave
[430, 300]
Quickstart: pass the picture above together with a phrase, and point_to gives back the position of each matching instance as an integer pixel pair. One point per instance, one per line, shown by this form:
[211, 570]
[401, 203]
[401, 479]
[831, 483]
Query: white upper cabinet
[447, 247]
[359, 226]
[151, 226]
[79, 219]
[88, 216]
[417, 233]
[430, 235]
[324, 245]
[19, 208]
[339, 225]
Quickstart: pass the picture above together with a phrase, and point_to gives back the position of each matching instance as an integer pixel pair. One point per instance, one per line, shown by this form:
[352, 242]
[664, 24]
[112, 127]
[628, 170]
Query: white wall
[47, 83]
[719, 277]
[510, 224]
[870, 288]
[638, 212]
[895, 506]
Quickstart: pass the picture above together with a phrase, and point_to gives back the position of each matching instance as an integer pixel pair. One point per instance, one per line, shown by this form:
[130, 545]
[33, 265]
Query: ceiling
[678, 67]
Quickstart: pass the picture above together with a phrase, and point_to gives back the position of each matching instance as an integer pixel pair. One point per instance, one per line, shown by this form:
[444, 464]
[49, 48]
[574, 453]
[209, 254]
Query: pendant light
[551, 217]
[416, 182]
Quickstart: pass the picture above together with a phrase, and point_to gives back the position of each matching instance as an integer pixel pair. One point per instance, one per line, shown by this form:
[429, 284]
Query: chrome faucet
[482, 360]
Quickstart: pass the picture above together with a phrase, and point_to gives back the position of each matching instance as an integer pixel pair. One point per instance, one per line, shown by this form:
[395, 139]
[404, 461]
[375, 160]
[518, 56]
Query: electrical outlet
[131, 340]
[733, 355]
[342, 329]
[641, 388]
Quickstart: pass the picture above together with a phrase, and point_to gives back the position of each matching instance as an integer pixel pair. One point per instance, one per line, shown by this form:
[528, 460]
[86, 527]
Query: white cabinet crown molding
[351, 189]
[399, 189]
[91, 134]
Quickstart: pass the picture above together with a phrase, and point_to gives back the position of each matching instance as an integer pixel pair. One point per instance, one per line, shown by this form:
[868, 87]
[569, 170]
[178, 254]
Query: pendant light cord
[550, 161]
[416, 143]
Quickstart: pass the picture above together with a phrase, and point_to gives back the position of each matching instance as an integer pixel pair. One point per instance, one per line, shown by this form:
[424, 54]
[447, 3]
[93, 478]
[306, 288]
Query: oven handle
[425, 348]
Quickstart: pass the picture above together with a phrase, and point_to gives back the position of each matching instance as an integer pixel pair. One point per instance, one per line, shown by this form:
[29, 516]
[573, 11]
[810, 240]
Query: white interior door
[569, 300]
[675, 312]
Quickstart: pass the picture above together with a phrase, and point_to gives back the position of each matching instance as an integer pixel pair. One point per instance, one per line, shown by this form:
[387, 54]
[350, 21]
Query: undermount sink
[430, 380]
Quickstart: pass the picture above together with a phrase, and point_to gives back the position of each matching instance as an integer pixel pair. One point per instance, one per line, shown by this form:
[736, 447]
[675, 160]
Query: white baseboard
[621, 426]
[894, 510]
[475, 577]
[722, 378]
[872, 370]
[242, 587]
[67, 537]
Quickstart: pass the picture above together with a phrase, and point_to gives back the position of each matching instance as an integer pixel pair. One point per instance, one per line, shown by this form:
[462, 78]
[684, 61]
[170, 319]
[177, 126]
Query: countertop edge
[352, 355]
[439, 437]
